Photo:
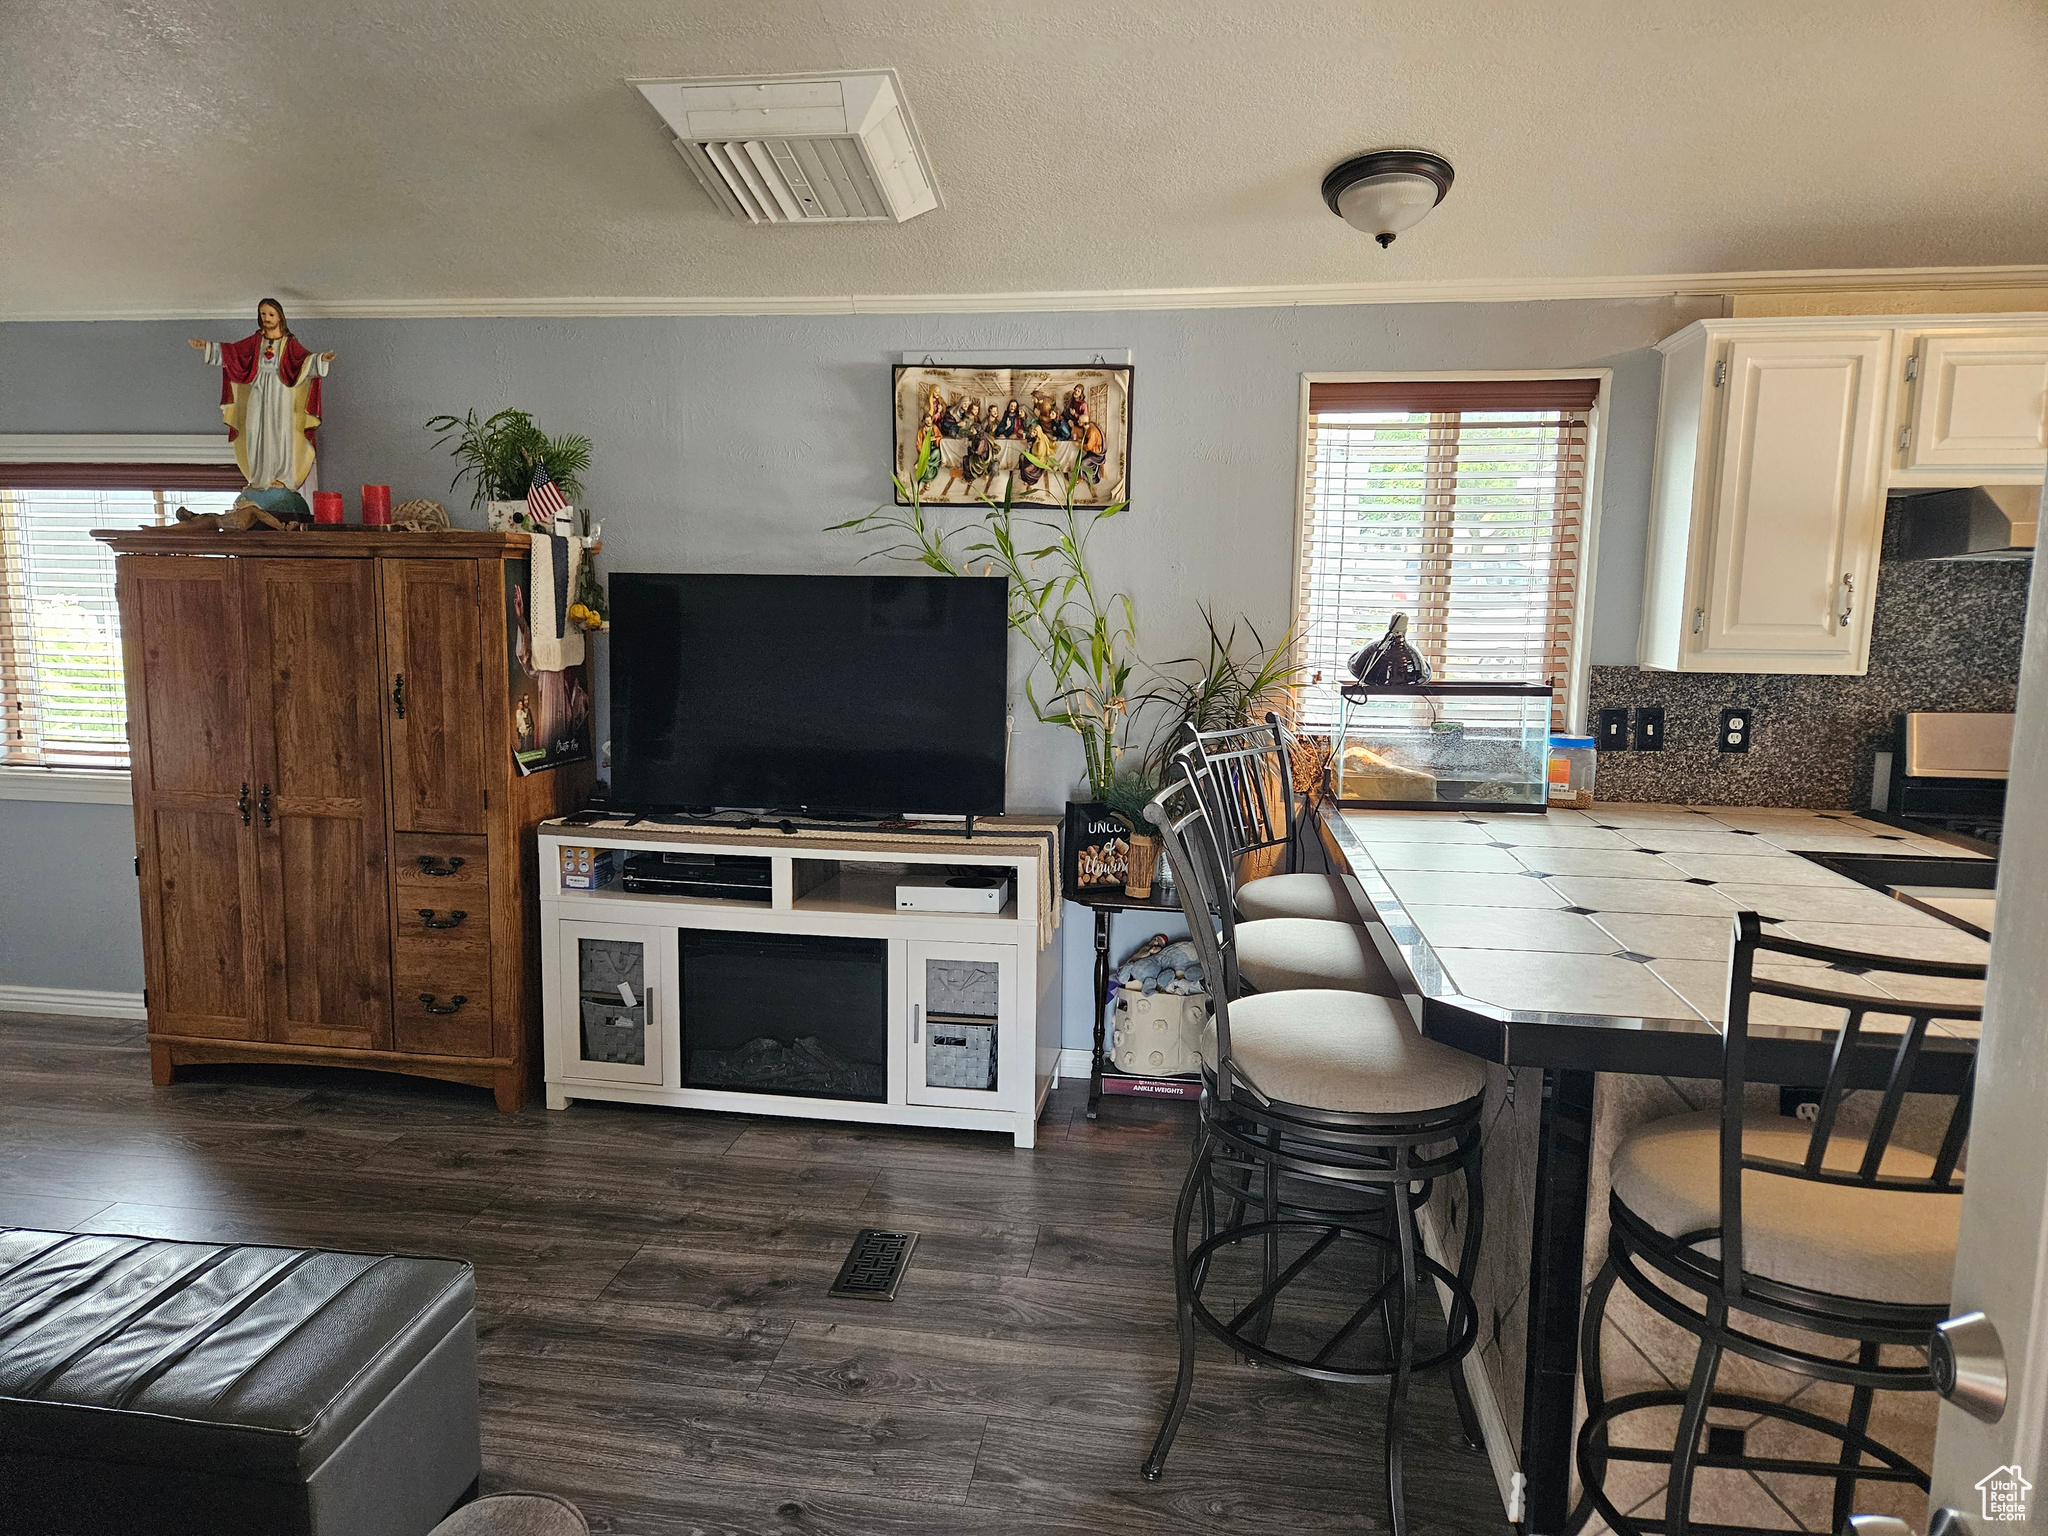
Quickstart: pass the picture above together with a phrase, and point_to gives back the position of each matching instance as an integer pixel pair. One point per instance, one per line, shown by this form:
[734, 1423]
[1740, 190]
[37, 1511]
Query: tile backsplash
[1945, 635]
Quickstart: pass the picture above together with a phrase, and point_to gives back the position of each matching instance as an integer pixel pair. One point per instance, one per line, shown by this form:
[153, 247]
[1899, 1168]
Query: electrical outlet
[1611, 733]
[1737, 726]
[1799, 1104]
[1649, 727]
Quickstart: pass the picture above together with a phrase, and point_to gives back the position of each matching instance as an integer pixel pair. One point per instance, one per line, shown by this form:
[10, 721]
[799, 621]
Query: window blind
[1459, 504]
[62, 700]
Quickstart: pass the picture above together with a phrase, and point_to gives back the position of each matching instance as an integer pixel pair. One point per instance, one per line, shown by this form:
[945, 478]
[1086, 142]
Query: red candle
[376, 506]
[327, 507]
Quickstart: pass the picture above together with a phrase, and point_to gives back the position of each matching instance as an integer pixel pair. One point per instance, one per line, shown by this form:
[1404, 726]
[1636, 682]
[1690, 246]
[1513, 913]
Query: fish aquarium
[1441, 747]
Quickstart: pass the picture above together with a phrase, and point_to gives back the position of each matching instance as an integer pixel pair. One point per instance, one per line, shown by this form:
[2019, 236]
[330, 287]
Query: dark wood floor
[657, 1342]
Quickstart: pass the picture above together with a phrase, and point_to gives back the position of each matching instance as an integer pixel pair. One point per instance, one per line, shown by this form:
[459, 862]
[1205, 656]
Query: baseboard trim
[1075, 1062]
[73, 1002]
[1493, 1424]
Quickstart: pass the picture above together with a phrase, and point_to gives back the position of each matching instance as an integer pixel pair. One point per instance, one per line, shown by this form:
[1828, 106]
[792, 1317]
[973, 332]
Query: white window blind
[62, 699]
[1458, 504]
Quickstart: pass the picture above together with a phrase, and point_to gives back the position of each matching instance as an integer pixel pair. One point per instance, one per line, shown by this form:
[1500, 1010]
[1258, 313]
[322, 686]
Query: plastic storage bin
[1573, 762]
[1442, 747]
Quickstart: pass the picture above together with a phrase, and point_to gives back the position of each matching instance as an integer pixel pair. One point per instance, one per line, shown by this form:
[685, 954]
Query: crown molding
[1444, 291]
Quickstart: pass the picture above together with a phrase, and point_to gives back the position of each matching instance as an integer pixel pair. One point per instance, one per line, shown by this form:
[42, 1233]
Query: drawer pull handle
[428, 920]
[433, 866]
[398, 695]
[242, 802]
[427, 1002]
[263, 804]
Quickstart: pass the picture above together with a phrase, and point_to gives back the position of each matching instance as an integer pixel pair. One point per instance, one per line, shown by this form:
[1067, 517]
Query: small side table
[1105, 905]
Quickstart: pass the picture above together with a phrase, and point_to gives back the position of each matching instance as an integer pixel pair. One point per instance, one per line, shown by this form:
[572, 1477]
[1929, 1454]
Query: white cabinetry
[817, 998]
[1777, 442]
[1974, 405]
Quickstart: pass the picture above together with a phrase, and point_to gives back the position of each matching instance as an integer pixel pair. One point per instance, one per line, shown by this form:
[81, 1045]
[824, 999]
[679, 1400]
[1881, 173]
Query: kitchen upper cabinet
[1769, 500]
[1777, 443]
[1973, 406]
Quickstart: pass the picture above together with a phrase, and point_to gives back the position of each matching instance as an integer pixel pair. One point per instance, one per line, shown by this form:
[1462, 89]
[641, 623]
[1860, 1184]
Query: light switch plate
[1649, 727]
[1610, 733]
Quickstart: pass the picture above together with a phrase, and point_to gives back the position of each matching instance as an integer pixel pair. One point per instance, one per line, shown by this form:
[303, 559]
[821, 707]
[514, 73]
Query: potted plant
[1127, 796]
[1085, 641]
[1229, 692]
[497, 454]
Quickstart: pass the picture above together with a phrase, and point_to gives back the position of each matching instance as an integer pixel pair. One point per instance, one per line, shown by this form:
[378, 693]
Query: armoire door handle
[242, 802]
[432, 866]
[398, 694]
[427, 1002]
[452, 920]
[263, 804]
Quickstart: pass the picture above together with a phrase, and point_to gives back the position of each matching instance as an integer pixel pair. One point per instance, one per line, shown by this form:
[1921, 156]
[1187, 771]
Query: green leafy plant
[1129, 793]
[1085, 640]
[1229, 689]
[498, 454]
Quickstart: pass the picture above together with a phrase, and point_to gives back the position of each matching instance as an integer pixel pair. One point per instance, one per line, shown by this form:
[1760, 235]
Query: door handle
[916, 1022]
[1699, 617]
[242, 802]
[428, 920]
[1967, 1360]
[398, 695]
[453, 1004]
[263, 804]
[1848, 597]
[433, 866]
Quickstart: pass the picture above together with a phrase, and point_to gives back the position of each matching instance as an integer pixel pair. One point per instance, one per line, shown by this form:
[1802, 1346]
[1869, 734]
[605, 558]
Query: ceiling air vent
[800, 149]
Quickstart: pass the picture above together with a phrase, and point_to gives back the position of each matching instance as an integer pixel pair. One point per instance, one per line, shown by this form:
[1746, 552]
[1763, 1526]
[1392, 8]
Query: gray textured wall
[729, 444]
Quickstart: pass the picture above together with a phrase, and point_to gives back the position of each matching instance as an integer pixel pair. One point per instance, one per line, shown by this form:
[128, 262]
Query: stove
[1945, 776]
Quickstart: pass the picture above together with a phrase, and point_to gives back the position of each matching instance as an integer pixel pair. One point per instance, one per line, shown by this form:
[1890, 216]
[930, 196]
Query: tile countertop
[1600, 938]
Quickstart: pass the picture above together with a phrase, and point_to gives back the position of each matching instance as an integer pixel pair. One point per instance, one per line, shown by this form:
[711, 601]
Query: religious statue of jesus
[270, 399]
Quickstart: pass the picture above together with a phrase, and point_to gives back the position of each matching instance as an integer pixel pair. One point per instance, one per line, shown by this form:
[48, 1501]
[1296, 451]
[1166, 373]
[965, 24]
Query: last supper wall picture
[1041, 428]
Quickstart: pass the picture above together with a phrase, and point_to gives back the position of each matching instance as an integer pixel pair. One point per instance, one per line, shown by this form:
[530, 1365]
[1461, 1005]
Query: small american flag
[544, 499]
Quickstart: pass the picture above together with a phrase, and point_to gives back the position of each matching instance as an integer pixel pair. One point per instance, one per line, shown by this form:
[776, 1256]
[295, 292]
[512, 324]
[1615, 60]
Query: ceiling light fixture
[1387, 191]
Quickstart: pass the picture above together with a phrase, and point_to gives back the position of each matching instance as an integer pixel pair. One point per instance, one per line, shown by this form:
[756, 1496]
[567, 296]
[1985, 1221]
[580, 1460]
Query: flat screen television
[823, 695]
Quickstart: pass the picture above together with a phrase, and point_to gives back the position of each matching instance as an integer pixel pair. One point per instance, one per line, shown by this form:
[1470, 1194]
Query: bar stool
[1252, 770]
[1325, 1120]
[1830, 1233]
[1246, 776]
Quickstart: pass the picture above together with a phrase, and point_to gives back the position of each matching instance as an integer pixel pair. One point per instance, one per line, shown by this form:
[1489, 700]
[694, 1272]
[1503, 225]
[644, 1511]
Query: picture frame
[1022, 423]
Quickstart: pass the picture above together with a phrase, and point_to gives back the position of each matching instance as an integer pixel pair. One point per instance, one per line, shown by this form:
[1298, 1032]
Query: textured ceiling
[188, 155]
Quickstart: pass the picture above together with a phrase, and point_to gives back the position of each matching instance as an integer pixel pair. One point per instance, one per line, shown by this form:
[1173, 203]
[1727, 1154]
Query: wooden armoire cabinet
[334, 842]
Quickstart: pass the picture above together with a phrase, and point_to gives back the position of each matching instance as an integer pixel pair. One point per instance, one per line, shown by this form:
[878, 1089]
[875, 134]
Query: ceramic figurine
[270, 399]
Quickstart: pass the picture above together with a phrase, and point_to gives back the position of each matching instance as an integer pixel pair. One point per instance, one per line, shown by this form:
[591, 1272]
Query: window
[1458, 503]
[61, 695]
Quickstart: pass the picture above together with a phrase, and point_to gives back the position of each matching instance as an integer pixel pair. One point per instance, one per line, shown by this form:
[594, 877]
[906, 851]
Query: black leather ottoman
[199, 1389]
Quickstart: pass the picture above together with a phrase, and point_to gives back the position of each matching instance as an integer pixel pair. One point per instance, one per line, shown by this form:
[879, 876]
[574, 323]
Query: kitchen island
[1584, 956]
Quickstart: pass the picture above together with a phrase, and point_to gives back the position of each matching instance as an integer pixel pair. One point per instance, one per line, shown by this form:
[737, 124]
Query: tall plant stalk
[1084, 641]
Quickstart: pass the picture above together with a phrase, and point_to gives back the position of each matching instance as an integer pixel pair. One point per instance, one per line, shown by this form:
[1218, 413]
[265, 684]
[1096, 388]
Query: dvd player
[710, 877]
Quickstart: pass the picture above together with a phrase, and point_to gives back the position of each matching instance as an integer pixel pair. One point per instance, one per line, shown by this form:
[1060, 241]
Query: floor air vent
[875, 1267]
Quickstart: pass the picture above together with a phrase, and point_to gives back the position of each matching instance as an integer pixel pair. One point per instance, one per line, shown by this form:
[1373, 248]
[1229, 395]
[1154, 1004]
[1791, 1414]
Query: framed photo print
[1027, 431]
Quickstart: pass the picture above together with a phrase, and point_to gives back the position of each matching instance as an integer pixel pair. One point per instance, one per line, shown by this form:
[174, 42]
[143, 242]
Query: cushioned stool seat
[1348, 1051]
[1281, 954]
[192, 1389]
[1303, 895]
[516, 1514]
[1891, 1245]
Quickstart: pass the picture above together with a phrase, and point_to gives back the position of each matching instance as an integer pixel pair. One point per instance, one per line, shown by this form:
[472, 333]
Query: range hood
[1978, 522]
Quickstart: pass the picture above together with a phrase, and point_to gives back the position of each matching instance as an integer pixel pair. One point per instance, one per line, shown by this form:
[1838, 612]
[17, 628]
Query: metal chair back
[1246, 775]
[1862, 1059]
[1195, 857]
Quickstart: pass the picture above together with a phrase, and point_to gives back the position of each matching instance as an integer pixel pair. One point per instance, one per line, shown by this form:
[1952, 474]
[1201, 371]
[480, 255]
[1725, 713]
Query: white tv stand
[871, 999]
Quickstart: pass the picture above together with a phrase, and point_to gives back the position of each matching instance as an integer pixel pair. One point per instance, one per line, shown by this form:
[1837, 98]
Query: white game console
[953, 893]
